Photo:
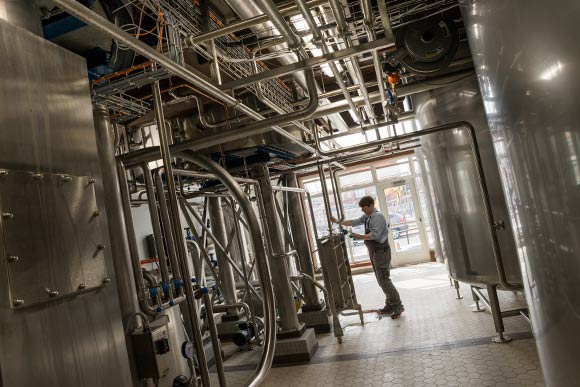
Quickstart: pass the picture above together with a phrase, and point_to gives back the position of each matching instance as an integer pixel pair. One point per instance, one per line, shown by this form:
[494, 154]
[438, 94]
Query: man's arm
[349, 222]
[377, 225]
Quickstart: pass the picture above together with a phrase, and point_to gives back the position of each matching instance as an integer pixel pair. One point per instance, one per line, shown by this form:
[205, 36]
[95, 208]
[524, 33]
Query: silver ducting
[528, 65]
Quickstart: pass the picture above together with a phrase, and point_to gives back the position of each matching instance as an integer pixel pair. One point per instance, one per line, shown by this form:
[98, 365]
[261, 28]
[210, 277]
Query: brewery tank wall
[453, 177]
[528, 65]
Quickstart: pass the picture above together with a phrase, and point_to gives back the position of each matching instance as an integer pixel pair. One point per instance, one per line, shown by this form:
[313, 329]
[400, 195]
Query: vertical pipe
[301, 240]
[218, 228]
[114, 209]
[215, 341]
[175, 225]
[279, 268]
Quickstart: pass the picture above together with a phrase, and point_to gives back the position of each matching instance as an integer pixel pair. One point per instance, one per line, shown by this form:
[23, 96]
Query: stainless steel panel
[46, 126]
[459, 206]
[54, 222]
[528, 63]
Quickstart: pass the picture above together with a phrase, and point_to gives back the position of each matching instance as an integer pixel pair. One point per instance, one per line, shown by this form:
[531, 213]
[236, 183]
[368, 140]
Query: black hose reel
[427, 46]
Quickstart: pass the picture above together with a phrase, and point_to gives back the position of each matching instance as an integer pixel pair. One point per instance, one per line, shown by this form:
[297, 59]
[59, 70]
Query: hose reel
[427, 46]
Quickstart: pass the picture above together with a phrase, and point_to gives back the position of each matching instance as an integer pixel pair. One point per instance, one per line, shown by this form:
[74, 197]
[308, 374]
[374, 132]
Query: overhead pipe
[480, 175]
[331, 153]
[364, 128]
[402, 91]
[233, 134]
[83, 13]
[343, 30]
[369, 21]
[320, 42]
[270, 327]
[284, 10]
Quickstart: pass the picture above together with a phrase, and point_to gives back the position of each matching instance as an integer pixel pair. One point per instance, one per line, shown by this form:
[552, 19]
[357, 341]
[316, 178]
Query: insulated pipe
[261, 258]
[319, 41]
[253, 128]
[285, 10]
[85, 14]
[301, 240]
[286, 307]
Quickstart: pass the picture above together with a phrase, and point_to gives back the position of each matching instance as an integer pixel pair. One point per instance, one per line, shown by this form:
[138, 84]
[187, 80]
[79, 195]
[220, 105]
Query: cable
[450, 82]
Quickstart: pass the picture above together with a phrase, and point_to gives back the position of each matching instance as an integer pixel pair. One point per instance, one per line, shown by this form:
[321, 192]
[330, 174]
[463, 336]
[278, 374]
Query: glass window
[314, 186]
[400, 169]
[356, 178]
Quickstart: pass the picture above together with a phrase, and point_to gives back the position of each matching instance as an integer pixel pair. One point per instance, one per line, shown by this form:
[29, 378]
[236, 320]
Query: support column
[301, 243]
[278, 265]
[295, 343]
[226, 273]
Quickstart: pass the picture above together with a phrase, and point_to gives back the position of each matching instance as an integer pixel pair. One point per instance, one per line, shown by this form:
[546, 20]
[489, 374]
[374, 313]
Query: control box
[152, 351]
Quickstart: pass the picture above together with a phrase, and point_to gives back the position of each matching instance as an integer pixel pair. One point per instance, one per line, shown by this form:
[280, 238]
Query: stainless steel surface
[301, 239]
[86, 15]
[61, 216]
[22, 13]
[215, 341]
[531, 88]
[105, 136]
[461, 213]
[218, 229]
[249, 22]
[279, 267]
[47, 127]
[270, 326]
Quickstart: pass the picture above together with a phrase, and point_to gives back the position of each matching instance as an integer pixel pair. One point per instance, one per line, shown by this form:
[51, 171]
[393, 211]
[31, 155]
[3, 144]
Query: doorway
[399, 201]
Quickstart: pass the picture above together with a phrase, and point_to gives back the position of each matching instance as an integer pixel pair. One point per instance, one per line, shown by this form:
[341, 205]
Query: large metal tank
[528, 63]
[459, 205]
[60, 322]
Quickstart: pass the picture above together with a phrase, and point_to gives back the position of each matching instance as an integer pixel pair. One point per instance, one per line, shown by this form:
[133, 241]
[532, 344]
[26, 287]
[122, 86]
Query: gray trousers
[380, 255]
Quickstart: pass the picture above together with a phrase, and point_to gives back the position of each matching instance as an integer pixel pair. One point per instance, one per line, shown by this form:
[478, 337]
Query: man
[376, 238]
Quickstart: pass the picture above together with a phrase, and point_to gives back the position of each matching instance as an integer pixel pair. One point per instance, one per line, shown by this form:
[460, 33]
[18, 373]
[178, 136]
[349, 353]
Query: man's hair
[366, 201]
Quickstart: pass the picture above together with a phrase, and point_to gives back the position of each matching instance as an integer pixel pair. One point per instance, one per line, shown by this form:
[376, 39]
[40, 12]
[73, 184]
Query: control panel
[152, 350]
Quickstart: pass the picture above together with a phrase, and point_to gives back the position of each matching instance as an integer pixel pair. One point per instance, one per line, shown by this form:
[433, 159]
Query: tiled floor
[439, 341]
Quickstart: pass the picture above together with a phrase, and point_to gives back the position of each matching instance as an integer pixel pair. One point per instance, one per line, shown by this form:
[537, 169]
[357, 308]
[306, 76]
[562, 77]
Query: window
[357, 178]
[402, 169]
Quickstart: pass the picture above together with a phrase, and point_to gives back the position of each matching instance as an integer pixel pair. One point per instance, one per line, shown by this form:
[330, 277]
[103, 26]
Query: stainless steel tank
[459, 207]
[60, 322]
[528, 64]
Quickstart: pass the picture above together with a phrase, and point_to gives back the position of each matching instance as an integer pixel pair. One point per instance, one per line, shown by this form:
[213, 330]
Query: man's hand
[357, 236]
[333, 219]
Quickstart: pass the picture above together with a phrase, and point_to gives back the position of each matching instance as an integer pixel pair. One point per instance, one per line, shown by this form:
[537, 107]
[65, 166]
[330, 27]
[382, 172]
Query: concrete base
[319, 320]
[297, 349]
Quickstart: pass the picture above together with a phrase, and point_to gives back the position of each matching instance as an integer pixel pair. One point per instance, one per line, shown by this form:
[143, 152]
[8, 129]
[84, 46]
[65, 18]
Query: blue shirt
[377, 224]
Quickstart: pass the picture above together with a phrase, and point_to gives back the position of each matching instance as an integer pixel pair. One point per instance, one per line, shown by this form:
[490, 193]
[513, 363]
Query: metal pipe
[120, 251]
[267, 356]
[142, 291]
[205, 175]
[402, 91]
[219, 234]
[150, 154]
[320, 42]
[85, 14]
[364, 128]
[215, 341]
[331, 153]
[285, 10]
[480, 175]
[157, 233]
[369, 21]
[269, 8]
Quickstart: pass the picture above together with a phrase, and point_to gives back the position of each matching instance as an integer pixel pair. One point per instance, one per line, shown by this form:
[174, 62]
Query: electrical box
[152, 351]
